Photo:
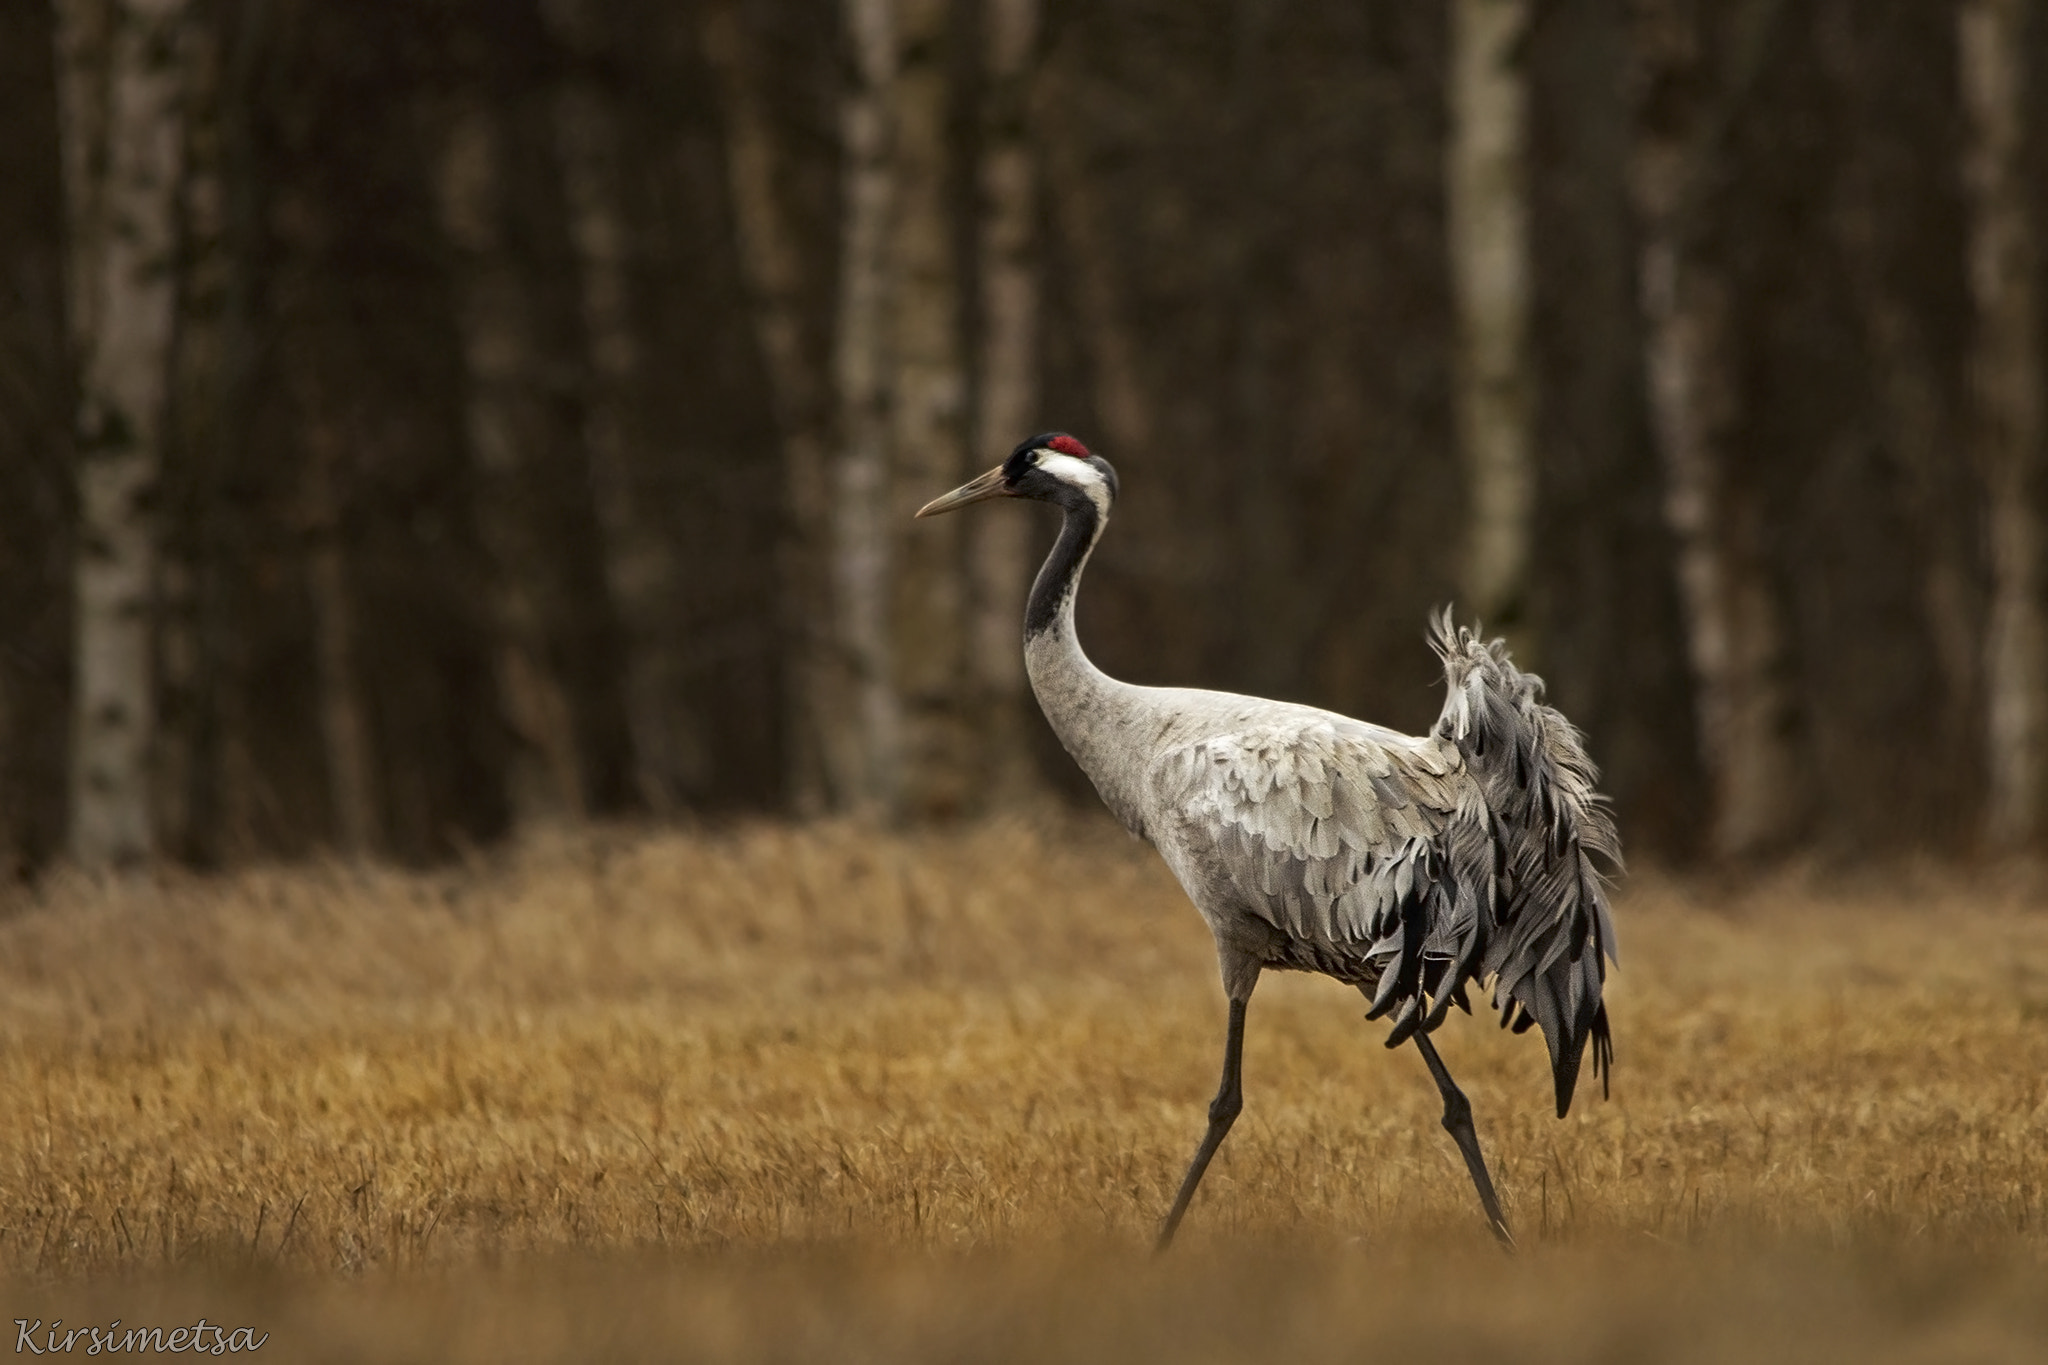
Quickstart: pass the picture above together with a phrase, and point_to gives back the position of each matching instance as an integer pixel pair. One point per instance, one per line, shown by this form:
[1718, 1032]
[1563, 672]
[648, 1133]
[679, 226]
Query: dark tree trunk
[501, 201]
[1605, 604]
[35, 502]
[784, 294]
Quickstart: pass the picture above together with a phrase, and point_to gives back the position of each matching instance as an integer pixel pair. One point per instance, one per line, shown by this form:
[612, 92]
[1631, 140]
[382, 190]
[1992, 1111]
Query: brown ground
[809, 1094]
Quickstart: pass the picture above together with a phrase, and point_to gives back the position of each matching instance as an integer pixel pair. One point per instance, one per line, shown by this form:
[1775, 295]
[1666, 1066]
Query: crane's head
[1050, 468]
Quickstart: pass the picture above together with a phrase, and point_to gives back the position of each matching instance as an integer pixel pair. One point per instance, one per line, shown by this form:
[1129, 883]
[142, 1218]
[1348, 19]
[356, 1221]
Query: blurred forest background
[420, 418]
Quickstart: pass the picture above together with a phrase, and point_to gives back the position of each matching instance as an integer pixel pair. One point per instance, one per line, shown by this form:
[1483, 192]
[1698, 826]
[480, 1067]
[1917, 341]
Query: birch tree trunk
[881, 667]
[2005, 373]
[816, 709]
[933, 771]
[998, 555]
[862, 744]
[1488, 216]
[1603, 594]
[505, 420]
[122, 89]
[1735, 634]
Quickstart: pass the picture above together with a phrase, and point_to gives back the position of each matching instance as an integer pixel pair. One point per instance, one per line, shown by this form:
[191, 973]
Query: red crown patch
[1067, 445]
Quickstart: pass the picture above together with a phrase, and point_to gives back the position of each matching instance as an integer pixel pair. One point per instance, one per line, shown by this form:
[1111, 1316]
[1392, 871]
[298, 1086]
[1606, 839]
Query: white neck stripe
[1078, 474]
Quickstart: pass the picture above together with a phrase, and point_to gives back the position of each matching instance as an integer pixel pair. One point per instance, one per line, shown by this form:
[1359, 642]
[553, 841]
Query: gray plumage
[1410, 866]
[1406, 865]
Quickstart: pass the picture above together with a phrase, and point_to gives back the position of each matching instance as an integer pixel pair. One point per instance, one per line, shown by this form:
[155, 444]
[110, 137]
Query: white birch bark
[121, 90]
[933, 770]
[1734, 632]
[998, 561]
[863, 759]
[2005, 373]
[883, 673]
[1734, 635]
[193, 416]
[1487, 211]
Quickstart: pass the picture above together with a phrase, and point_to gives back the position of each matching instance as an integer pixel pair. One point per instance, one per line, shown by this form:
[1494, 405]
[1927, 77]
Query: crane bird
[1409, 866]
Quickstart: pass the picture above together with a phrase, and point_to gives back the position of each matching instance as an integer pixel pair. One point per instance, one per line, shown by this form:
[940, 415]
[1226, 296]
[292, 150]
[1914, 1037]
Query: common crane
[1409, 866]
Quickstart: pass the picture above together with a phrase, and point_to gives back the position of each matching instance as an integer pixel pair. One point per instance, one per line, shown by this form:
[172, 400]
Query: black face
[1025, 479]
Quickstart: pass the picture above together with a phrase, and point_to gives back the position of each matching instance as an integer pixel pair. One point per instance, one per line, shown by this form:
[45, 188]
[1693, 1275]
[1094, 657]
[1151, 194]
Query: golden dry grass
[779, 1093]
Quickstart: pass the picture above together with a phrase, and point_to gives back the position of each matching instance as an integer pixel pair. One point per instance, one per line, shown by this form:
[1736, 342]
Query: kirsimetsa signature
[204, 1338]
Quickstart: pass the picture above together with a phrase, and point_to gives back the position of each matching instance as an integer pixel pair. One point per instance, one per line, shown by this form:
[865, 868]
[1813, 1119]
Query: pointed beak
[989, 485]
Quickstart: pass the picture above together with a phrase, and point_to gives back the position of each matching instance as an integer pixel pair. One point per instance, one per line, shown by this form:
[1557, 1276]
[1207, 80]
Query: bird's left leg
[1458, 1123]
[1223, 1111]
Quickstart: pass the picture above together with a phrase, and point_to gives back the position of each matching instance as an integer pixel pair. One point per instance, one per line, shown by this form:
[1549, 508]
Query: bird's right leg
[1458, 1123]
[1223, 1111]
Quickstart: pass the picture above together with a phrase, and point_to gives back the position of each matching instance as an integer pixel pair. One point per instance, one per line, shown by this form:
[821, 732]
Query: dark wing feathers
[1550, 823]
[1412, 865]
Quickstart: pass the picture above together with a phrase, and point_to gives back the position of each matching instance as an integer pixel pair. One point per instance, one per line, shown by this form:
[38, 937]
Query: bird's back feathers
[1328, 829]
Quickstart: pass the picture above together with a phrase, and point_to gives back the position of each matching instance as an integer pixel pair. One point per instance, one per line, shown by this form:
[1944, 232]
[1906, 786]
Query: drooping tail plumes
[1547, 954]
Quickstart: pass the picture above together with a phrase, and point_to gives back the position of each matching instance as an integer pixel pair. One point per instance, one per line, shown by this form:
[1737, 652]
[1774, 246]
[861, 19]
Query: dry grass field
[793, 1094]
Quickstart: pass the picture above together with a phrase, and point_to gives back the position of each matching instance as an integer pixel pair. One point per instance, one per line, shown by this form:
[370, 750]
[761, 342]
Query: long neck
[1051, 608]
[1089, 710]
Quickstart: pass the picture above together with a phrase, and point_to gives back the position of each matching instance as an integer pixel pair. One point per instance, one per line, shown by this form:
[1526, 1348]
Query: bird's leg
[1458, 1123]
[1223, 1111]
